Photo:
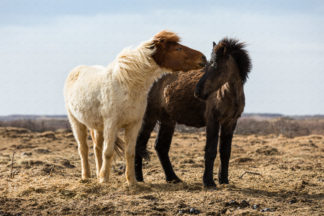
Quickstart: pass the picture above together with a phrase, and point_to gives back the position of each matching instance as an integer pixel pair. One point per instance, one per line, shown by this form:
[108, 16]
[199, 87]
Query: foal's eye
[212, 64]
[178, 49]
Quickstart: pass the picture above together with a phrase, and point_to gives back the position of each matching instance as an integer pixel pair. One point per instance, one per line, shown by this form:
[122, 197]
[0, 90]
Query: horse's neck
[142, 82]
[136, 76]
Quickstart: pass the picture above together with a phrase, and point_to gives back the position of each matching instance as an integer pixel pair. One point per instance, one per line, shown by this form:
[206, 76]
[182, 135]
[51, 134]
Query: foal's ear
[214, 44]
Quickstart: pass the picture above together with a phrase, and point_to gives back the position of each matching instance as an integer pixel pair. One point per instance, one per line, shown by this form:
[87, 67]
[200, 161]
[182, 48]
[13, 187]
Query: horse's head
[174, 56]
[229, 62]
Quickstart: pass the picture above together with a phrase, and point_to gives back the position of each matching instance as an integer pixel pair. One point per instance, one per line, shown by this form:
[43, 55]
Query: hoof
[102, 180]
[139, 179]
[210, 188]
[85, 181]
[132, 184]
[210, 185]
[223, 181]
[174, 181]
[84, 178]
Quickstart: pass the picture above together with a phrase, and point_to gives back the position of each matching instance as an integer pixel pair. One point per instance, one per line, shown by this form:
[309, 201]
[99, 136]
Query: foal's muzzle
[198, 94]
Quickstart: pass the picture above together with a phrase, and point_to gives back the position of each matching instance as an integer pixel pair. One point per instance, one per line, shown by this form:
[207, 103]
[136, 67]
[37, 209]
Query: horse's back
[83, 72]
[82, 94]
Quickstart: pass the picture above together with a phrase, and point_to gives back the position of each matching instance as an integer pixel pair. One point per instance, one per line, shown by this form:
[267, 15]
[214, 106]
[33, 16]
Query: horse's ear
[214, 44]
[159, 42]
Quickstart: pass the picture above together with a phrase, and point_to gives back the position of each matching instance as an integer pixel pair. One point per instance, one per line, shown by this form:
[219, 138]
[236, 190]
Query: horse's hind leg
[210, 151]
[97, 138]
[227, 131]
[162, 146]
[80, 134]
[141, 143]
[131, 133]
[109, 134]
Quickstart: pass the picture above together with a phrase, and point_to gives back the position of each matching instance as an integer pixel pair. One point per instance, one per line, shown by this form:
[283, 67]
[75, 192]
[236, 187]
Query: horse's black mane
[233, 47]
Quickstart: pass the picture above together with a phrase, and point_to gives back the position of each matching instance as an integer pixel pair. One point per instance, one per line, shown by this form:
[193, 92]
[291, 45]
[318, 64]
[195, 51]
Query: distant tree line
[289, 127]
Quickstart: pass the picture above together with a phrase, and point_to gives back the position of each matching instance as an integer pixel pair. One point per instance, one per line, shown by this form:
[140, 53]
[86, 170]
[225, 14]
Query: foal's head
[172, 55]
[229, 62]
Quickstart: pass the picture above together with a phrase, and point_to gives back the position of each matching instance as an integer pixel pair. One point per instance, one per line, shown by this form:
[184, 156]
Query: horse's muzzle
[204, 61]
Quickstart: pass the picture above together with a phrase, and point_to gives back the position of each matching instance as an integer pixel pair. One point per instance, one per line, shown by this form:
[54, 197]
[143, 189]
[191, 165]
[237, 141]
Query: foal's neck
[236, 88]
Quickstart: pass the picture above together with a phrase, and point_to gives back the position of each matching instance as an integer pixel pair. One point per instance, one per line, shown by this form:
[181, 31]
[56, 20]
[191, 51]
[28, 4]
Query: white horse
[107, 99]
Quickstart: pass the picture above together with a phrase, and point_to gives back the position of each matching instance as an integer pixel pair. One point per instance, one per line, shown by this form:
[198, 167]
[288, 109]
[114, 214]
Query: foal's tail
[119, 147]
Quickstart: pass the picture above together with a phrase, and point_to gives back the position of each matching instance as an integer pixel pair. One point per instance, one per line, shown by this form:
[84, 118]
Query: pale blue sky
[42, 40]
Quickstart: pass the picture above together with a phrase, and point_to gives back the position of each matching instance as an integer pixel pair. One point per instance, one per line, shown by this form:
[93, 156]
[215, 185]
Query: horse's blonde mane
[133, 66]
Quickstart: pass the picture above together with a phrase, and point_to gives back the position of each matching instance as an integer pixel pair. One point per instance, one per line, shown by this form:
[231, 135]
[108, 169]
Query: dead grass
[46, 178]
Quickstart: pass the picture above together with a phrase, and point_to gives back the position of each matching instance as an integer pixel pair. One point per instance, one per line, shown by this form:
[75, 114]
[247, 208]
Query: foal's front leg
[131, 133]
[110, 132]
[227, 131]
[210, 152]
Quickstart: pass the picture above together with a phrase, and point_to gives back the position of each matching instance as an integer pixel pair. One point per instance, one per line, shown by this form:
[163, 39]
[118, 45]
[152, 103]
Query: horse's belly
[132, 112]
[85, 107]
[88, 116]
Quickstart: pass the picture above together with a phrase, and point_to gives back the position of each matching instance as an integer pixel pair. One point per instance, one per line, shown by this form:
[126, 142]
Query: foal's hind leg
[97, 138]
[227, 131]
[80, 134]
[162, 147]
[210, 151]
[141, 143]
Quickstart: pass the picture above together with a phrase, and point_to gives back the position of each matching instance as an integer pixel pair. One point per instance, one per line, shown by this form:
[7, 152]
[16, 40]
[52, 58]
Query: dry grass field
[269, 175]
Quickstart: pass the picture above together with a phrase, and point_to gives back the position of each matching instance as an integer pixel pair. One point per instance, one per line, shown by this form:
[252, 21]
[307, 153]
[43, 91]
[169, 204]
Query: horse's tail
[119, 147]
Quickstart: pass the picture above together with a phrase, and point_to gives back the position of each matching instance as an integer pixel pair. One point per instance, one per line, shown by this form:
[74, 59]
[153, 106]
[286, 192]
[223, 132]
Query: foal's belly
[192, 121]
[187, 110]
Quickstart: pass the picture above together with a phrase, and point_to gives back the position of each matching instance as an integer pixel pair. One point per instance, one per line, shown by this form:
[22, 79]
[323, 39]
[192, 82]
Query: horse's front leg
[80, 134]
[110, 132]
[227, 131]
[131, 133]
[210, 151]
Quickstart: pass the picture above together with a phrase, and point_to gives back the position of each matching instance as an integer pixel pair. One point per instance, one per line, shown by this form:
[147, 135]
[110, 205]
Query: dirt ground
[269, 175]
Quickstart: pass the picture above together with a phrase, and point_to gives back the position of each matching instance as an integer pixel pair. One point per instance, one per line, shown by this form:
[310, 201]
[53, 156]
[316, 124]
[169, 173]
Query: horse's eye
[178, 48]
